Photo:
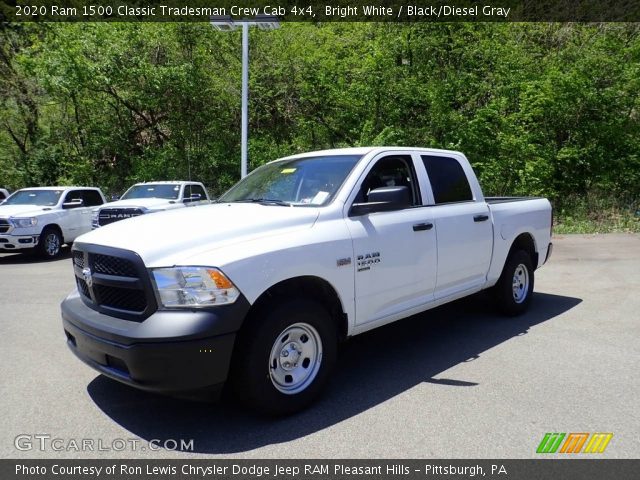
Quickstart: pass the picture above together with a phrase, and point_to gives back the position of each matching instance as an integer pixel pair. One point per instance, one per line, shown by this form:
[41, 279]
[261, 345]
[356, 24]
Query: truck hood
[151, 203]
[22, 210]
[172, 237]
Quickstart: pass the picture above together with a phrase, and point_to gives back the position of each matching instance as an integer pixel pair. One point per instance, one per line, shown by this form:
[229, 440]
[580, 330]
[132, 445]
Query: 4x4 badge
[344, 261]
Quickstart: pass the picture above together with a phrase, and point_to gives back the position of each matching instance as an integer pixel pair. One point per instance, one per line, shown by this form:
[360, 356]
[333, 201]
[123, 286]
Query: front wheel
[50, 243]
[515, 287]
[284, 358]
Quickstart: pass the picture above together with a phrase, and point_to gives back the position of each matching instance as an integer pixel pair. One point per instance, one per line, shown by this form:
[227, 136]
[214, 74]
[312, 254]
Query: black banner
[565, 469]
[316, 11]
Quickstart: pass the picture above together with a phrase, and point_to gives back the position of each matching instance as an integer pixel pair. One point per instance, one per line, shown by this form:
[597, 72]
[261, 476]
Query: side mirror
[72, 204]
[384, 199]
[193, 198]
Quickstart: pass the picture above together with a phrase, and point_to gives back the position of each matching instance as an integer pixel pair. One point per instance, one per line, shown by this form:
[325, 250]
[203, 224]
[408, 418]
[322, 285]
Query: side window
[190, 190]
[91, 198]
[448, 180]
[73, 195]
[198, 190]
[391, 171]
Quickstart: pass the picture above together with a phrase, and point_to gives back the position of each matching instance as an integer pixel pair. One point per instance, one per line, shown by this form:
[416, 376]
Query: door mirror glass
[383, 199]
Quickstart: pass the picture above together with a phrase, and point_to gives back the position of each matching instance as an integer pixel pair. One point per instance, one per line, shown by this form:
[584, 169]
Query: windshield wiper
[264, 201]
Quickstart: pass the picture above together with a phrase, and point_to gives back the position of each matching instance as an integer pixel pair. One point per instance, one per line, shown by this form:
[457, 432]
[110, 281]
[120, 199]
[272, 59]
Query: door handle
[422, 226]
[481, 218]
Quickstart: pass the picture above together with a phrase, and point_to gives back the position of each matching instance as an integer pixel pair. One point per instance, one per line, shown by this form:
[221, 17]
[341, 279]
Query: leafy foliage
[539, 109]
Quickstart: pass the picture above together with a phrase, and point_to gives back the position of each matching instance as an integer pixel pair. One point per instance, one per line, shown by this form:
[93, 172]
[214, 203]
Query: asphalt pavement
[459, 381]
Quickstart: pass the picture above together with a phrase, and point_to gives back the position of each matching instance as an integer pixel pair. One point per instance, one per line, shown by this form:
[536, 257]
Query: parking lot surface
[459, 381]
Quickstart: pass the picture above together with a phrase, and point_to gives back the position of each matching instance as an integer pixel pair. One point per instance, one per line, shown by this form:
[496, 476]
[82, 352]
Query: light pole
[227, 24]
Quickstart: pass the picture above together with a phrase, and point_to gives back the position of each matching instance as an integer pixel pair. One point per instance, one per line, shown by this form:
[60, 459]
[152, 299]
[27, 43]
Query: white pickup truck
[45, 218]
[306, 251]
[150, 197]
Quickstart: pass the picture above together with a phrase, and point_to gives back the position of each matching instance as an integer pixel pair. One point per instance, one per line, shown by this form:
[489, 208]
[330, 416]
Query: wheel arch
[525, 241]
[311, 287]
[55, 227]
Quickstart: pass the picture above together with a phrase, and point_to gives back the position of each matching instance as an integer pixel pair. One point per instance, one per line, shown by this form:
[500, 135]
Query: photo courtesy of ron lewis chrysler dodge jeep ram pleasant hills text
[304, 252]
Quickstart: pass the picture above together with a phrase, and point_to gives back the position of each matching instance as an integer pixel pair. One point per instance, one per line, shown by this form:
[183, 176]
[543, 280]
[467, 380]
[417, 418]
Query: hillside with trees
[539, 108]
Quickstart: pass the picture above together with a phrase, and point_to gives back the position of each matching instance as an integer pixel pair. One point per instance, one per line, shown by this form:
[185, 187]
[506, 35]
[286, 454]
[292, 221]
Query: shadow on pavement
[17, 258]
[373, 368]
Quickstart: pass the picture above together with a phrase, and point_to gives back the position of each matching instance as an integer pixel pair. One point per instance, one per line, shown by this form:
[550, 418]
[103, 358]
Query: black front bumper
[184, 352]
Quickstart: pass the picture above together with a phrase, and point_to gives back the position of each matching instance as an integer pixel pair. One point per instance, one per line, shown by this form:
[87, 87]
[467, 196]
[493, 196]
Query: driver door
[72, 219]
[394, 251]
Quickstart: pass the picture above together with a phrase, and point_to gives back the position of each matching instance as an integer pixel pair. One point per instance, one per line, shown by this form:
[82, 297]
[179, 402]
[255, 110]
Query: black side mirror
[72, 204]
[384, 199]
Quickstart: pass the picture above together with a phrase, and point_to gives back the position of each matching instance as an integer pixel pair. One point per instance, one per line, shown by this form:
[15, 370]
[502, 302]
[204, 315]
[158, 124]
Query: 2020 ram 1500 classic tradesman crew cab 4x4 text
[308, 250]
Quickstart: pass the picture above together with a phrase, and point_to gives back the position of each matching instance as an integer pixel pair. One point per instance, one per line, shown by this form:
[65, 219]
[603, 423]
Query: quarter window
[448, 180]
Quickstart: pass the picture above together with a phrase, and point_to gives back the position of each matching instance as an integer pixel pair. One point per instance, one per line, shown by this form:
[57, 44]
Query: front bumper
[173, 352]
[18, 242]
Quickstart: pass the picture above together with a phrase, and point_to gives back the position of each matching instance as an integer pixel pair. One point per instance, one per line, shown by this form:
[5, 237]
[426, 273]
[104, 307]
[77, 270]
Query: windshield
[44, 198]
[168, 191]
[301, 181]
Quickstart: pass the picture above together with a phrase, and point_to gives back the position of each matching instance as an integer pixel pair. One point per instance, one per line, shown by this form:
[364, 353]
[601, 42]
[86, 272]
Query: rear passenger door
[463, 227]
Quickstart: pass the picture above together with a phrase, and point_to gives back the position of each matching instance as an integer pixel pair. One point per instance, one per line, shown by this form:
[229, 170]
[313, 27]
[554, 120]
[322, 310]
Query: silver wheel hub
[295, 358]
[520, 283]
[51, 244]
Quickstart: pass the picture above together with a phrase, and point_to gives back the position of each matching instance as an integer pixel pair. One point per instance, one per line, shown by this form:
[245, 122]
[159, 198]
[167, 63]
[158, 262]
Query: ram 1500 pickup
[44, 218]
[150, 197]
[258, 289]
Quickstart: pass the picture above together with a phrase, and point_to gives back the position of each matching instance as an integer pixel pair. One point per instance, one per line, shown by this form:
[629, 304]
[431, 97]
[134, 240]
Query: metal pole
[245, 99]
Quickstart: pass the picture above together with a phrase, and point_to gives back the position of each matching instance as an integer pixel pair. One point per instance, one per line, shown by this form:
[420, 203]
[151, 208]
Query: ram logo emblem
[87, 277]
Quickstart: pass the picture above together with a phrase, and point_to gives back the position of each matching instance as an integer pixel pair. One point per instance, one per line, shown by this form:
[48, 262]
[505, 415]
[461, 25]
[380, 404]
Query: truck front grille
[5, 226]
[110, 215]
[113, 281]
[114, 266]
[78, 258]
[120, 298]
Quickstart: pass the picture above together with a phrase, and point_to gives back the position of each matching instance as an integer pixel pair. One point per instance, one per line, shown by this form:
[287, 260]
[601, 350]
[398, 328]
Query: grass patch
[594, 213]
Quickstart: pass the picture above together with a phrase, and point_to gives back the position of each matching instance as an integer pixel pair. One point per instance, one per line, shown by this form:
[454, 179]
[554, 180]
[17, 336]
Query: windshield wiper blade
[264, 201]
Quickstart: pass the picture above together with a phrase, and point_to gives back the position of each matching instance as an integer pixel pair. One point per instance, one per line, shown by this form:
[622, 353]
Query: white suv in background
[45, 218]
[149, 197]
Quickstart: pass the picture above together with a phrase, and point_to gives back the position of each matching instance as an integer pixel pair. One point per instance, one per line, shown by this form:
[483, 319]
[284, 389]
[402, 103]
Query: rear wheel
[515, 287]
[284, 357]
[50, 243]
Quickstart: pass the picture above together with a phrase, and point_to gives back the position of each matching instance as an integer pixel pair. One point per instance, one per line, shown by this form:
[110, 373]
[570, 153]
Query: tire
[50, 243]
[514, 289]
[284, 357]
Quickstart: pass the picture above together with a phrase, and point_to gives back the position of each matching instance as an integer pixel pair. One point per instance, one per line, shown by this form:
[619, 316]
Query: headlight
[193, 287]
[24, 222]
